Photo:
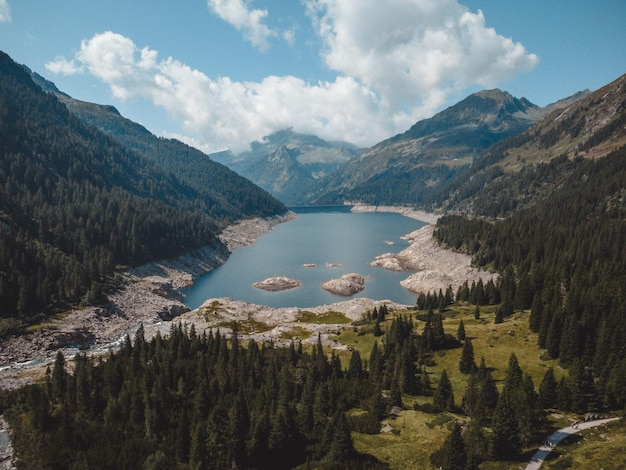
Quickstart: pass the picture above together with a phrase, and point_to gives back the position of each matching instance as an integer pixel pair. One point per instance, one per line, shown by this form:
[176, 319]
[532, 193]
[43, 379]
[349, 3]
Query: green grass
[296, 332]
[411, 442]
[327, 318]
[495, 343]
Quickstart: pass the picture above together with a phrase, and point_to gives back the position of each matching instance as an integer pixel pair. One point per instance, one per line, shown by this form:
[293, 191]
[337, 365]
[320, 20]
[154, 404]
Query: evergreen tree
[341, 446]
[460, 332]
[443, 398]
[466, 363]
[504, 443]
[454, 456]
[499, 318]
[548, 389]
[355, 369]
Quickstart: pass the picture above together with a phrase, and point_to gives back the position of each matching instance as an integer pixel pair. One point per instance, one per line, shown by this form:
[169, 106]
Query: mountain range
[487, 155]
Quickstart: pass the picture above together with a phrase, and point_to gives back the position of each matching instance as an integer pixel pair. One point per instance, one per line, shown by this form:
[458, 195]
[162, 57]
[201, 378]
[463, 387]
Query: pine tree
[460, 332]
[355, 369]
[505, 443]
[499, 318]
[467, 364]
[454, 456]
[444, 395]
[548, 389]
[341, 446]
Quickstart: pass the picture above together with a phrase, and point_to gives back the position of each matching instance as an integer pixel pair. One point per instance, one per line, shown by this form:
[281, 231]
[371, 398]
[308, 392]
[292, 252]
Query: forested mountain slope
[74, 204]
[407, 168]
[228, 196]
[525, 168]
[558, 191]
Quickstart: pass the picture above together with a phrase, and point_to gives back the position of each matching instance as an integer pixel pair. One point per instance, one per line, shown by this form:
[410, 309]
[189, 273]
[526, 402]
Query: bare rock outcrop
[277, 283]
[348, 284]
[435, 266]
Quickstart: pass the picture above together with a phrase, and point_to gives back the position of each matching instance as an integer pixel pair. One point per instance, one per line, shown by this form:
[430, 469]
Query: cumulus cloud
[248, 21]
[396, 62]
[5, 12]
[414, 52]
[62, 66]
[221, 113]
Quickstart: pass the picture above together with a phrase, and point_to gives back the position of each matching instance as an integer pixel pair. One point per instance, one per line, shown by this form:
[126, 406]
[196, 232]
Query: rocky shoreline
[151, 297]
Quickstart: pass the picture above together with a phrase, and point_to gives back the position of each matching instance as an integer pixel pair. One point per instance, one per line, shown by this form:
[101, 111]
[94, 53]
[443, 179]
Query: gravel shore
[152, 298]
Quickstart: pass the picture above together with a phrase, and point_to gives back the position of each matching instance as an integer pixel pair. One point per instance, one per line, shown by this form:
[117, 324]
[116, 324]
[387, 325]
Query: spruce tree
[467, 364]
[443, 398]
[460, 332]
[504, 443]
[454, 456]
[548, 390]
[341, 446]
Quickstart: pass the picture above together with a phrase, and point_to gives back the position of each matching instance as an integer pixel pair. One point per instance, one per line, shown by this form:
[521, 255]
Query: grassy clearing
[411, 442]
[52, 322]
[495, 343]
[210, 310]
[328, 318]
[296, 332]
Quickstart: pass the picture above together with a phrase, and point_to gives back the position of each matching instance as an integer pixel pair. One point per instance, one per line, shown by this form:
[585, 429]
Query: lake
[350, 240]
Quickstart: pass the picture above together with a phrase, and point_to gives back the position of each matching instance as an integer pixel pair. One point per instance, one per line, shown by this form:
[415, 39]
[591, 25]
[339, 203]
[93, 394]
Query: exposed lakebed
[313, 249]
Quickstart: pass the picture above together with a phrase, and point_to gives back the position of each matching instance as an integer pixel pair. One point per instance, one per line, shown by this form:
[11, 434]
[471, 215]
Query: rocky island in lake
[277, 283]
[348, 284]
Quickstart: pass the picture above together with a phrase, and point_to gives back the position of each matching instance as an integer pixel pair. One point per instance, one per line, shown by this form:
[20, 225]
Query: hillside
[227, 195]
[519, 171]
[290, 165]
[406, 168]
[75, 204]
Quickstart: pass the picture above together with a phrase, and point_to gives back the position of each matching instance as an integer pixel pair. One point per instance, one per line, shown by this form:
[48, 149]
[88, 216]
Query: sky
[219, 74]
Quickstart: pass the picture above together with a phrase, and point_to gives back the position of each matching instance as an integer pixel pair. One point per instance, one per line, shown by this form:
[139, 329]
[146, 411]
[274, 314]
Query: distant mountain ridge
[289, 165]
[525, 168]
[405, 168]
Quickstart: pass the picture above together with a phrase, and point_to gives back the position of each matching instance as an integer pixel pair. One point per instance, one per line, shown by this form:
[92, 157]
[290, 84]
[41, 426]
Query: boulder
[348, 284]
[276, 283]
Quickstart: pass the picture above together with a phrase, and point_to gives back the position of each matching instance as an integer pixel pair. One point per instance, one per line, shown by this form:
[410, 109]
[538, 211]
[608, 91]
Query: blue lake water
[351, 240]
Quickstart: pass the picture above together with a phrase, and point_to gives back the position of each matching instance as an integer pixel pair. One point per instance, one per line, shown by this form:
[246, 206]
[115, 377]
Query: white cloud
[5, 12]
[398, 62]
[62, 66]
[220, 113]
[248, 21]
[414, 52]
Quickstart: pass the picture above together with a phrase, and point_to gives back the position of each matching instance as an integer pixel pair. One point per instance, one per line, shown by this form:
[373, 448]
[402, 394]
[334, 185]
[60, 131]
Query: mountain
[547, 209]
[290, 165]
[407, 167]
[75, 204]
[519, 171]
[227, 195]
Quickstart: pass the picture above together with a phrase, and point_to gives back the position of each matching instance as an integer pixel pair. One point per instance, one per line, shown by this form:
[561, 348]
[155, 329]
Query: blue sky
[222, 73]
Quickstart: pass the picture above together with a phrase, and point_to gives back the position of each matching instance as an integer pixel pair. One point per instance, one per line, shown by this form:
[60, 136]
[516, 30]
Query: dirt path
[542, 453]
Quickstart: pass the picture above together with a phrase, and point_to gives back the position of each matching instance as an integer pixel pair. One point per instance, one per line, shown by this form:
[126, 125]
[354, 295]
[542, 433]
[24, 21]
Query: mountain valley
[517, 330]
